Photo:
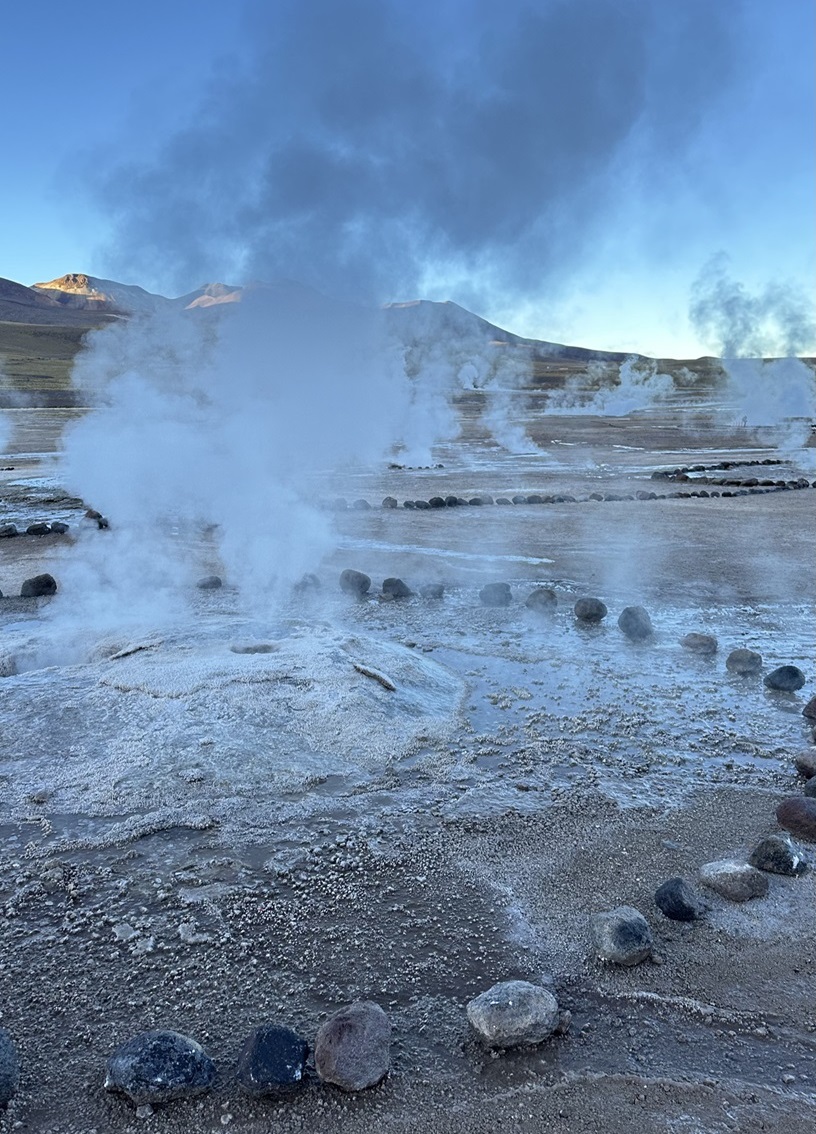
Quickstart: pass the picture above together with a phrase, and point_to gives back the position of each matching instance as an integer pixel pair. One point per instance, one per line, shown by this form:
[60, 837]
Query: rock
[409, 504]
[495, 594]
[810, 787]
[635, 623]
[8, 531]
[272, 1061]
[704, 644]
[746, 663]
[621, 936]
[809, 710]
[354, 582]
[514, 1012]
[503, 501]
[38, 529]
[9, 1068]
[736, 881]
[389, 502]
[209, 583]
[590, 610]
[451, 502]
[307, 582]
[432, 590]
[59, 528]
[785, 678]
[396, 588]
[676, 900]
[38, 586]
[361, 505]
[8, 666]
[421, 505]
[805, 763]
[352, 1048]
[476, 501]
[778, 855]
[157, 1067]
[543, 600]
[797, 814]
[437, 502]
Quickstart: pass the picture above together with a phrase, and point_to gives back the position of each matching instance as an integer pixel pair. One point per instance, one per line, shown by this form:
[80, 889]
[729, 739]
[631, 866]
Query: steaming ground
[202, 839]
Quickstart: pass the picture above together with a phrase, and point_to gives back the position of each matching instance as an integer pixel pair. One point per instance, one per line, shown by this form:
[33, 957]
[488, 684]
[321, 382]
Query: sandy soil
[574, 774]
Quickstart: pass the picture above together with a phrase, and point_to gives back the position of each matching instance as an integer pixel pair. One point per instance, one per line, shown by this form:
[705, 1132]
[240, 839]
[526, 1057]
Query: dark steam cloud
[779, 320]
[374, 147]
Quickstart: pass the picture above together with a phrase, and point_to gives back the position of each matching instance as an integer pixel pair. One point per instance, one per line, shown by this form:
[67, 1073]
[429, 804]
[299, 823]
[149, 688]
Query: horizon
[584, 200]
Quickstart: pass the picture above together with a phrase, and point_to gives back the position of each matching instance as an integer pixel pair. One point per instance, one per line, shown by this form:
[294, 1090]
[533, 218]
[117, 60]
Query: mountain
[21, 304]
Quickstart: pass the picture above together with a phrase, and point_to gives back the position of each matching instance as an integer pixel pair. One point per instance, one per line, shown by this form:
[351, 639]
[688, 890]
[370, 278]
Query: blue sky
[568, 168]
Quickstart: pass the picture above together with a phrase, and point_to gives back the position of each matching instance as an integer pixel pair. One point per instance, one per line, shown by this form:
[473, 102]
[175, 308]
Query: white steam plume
[605, 391]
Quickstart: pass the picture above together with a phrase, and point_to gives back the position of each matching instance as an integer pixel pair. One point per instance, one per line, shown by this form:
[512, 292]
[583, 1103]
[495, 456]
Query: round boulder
[8, 531]
[514, 1012]
[809, 710]
[736, 881]
[621, 936]
[542, 599]
[676, 900]
[797, 814]
[432, 590]
[272, 1061]
[354, 582]
[746, 663]
[495, 594]
[158, 1067]
[59, 528]
[805, 763]
[8, 665]
[209, 583]
[396, 588]
[41, 528]
[389, 502]
[9, 1068]
[352, 1048]
[703, 644]
[778, 855]
[590, 610]
[635, 623]
[785, 679]
[39, 586]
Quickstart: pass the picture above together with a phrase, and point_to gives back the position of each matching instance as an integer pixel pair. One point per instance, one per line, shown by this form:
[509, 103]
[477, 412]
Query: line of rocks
[40, 528]
[730, 488]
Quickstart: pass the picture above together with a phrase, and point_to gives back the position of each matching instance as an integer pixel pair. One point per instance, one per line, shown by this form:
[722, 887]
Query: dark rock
[778, 855]
[437, 502]
[421, 505]
[678, 901]
[797, 814]
[519, 499]
[157, 1067]
[487, 499]
[810, 787]
[389, 502]
[621, 936]
[590, 610]
[746, 663]
[432, 590]
[705, 644]
[595, 496]
[307, 582]
[38, 586]
[451, 502]
[736, 881]
[396, 588]
[59, 528]
[785, 678]
[514, 1012]
[809, 710]
[361, 505]
[354, 582]
[495, 594]
[805, 763]
[543, 600]
[9, 1068]
[38, 529]
[8, 531]
[503, 501]
[352, 1048]
[476, 501]
[635, 623]
[534, 499]
[409, 504]
[209, 583]
[272, 1061]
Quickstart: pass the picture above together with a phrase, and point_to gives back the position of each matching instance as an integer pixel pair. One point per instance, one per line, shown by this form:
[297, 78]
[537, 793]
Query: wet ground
[204, 839]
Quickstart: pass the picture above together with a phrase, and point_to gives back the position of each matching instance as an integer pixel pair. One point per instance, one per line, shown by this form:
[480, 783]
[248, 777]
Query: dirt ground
[210, 930]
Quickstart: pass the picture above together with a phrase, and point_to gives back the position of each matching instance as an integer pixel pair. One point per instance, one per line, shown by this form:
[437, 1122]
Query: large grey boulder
[635, 623]
[785, 679]
[514, 1012]
[495, 594]
[158, 1067]
[745, 663]
[354, 582]
[38, 586]
[590, 610]
[353, 1047]
[736, 881]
